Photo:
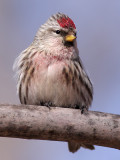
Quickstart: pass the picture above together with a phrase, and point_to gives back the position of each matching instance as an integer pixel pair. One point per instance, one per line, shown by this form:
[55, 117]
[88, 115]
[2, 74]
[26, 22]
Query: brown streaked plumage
[20, 92]
[50, 70]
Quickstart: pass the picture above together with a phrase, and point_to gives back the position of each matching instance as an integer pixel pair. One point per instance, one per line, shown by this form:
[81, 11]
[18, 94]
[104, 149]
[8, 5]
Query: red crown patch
[66, 23]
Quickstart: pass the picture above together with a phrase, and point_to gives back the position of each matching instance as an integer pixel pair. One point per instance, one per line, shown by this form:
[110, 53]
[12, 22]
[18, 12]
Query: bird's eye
[75, 34]
[58, 32]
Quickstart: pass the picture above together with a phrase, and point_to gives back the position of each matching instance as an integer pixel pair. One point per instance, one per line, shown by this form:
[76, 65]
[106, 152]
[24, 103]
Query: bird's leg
[82, 108]
[47, 104]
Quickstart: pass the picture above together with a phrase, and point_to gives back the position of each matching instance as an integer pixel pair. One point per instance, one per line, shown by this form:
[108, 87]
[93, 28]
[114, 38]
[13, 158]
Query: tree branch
[60, 124]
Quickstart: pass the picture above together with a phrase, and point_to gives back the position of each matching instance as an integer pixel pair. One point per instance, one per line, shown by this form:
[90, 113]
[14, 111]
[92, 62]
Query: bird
[50, 71]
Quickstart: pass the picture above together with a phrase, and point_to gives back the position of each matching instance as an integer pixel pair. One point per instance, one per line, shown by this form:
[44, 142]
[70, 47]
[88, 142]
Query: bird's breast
[58, 81]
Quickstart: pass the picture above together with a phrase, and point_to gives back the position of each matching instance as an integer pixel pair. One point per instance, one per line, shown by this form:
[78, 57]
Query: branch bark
[60, 124]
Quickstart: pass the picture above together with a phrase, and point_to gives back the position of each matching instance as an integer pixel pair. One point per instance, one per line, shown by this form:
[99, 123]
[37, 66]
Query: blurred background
[98, 25]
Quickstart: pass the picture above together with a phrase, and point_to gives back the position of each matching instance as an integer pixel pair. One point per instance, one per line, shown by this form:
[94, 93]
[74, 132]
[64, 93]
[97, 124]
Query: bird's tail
[73, 147]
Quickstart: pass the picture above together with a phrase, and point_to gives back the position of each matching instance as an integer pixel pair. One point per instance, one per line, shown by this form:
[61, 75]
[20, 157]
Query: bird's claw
[82, 108]
[47, 104]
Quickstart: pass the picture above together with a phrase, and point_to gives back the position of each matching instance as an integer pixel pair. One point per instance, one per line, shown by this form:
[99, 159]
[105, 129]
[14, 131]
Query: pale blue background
[98, 25]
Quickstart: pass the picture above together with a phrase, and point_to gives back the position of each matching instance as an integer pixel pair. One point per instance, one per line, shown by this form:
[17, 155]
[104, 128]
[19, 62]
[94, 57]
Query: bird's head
[59, 30]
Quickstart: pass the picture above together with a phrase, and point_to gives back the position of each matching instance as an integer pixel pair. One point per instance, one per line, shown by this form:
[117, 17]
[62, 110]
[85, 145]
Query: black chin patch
[68, 44]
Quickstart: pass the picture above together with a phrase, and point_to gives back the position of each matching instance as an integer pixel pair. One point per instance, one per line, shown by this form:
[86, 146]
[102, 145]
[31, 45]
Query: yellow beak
[70, 38]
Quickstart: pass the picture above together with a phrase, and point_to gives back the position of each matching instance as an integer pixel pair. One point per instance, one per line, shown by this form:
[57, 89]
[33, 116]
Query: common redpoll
[50, 71]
